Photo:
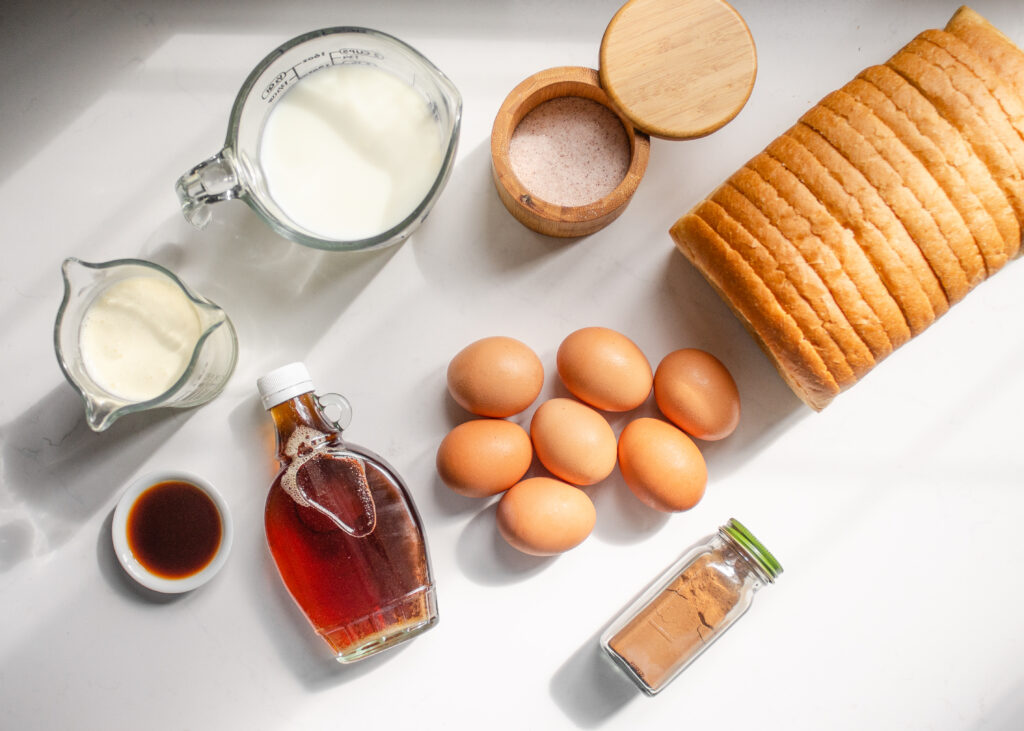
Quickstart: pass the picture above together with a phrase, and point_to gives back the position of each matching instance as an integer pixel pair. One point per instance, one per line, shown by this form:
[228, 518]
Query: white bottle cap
[284, 383]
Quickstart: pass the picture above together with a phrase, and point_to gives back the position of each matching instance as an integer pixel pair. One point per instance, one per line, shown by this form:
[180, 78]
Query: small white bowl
[136, 569]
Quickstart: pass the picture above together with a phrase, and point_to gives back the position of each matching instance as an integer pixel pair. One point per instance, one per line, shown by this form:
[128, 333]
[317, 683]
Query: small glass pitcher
[213, 356]
[235, 171]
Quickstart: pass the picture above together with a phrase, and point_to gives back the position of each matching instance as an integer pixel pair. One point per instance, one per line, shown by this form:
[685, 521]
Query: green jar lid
[746, 540]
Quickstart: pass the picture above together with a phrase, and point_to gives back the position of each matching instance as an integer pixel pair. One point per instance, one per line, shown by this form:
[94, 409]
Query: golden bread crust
[745, 228]
[879, 192]
[724, 213]
[749, 298]
[880, 235]
[957, 150]
[883, 325]
[922, 209]
[888, 201]
[990, 44]
[978, 223]
[796, 212]
[954, 102]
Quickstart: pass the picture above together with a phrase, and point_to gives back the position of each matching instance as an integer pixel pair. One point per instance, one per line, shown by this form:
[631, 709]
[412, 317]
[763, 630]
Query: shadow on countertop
[59, 473]
[588, 689]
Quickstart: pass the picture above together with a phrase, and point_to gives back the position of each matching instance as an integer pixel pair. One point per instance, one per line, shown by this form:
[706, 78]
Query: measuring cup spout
[211, 181]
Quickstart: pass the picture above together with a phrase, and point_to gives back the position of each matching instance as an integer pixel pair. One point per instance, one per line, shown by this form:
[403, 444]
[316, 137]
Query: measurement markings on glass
[279, 83]
[321, 60]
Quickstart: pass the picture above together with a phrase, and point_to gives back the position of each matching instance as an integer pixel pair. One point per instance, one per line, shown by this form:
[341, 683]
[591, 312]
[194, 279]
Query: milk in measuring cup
[350, 152]
[137, 337]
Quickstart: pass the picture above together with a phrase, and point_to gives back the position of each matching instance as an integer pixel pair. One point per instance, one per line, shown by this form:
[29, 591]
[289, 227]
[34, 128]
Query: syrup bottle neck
[301, 411]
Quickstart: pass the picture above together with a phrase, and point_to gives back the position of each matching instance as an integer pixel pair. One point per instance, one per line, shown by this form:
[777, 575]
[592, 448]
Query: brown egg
[542, 516]
[482, 457]
[661, 465]
[697, 393]
[604, 368]
[496, 376]
[573, 441]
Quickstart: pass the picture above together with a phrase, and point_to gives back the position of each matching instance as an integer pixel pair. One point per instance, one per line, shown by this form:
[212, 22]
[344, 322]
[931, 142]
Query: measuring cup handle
[211, 181]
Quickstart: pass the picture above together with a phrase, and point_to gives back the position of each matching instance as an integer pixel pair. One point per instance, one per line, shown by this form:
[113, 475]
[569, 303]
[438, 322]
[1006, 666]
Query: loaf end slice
[760, 313]
[991, 44]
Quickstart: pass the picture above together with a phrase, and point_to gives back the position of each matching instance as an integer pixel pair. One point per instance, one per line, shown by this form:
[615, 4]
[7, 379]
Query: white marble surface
[896, 512]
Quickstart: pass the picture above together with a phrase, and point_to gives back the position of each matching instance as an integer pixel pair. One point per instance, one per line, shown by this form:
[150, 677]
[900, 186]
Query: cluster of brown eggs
[499, 377]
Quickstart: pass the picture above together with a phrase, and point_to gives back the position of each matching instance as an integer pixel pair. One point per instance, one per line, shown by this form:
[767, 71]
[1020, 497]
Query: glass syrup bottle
[342, 527]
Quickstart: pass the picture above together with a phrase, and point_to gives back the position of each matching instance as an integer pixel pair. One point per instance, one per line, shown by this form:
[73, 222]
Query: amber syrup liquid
[365, 592]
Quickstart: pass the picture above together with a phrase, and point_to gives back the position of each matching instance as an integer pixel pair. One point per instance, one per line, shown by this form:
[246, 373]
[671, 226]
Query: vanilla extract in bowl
[174, 529]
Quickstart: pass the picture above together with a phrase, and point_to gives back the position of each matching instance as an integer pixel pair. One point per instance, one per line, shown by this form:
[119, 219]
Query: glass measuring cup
[235, 171]
[213, 353]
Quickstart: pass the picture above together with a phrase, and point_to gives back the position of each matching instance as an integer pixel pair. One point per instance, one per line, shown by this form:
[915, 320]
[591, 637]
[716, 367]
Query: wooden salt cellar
[675, 69]
[533, 212]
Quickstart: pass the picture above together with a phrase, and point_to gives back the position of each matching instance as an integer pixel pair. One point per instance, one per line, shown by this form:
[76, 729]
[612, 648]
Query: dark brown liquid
[354, 590]
[174, 529]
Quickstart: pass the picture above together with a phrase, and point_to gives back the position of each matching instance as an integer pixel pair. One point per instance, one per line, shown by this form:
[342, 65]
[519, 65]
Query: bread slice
[913, 194]
[780, 260]
[954, 101]
[910, 231]
[883, 327]
[731, 215]
[1010, 102]
[989, 43]
[809, 264]
[957, 150]
[860, 212]
[983, 97]
[1006, 97]
[858, 341]
[978, 222]
[755, 306]
[842, 147]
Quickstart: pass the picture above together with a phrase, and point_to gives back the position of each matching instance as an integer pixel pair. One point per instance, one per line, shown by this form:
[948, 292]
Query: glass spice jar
[689, 606]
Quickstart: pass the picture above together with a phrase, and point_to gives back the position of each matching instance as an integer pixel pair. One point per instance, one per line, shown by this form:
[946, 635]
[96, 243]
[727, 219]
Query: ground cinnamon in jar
[690, 606]
[679, 620]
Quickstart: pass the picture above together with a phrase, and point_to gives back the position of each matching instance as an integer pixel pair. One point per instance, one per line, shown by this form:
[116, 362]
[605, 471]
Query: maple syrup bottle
[341, 526]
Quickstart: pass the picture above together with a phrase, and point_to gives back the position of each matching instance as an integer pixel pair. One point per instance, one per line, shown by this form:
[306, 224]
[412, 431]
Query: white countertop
[895, 512]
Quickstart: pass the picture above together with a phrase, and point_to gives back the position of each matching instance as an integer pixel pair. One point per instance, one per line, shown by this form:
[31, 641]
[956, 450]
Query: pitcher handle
[334, 403]
[336, 409]
[211, 181]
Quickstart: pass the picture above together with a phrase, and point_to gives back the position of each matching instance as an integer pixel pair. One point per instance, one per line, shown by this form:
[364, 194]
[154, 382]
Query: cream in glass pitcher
[130, 336]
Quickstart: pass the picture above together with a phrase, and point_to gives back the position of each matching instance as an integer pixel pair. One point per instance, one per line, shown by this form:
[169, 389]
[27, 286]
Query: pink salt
[569, 151]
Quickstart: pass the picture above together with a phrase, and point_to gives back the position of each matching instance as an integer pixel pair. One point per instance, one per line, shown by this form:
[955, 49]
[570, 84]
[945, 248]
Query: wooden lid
[678, 69]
